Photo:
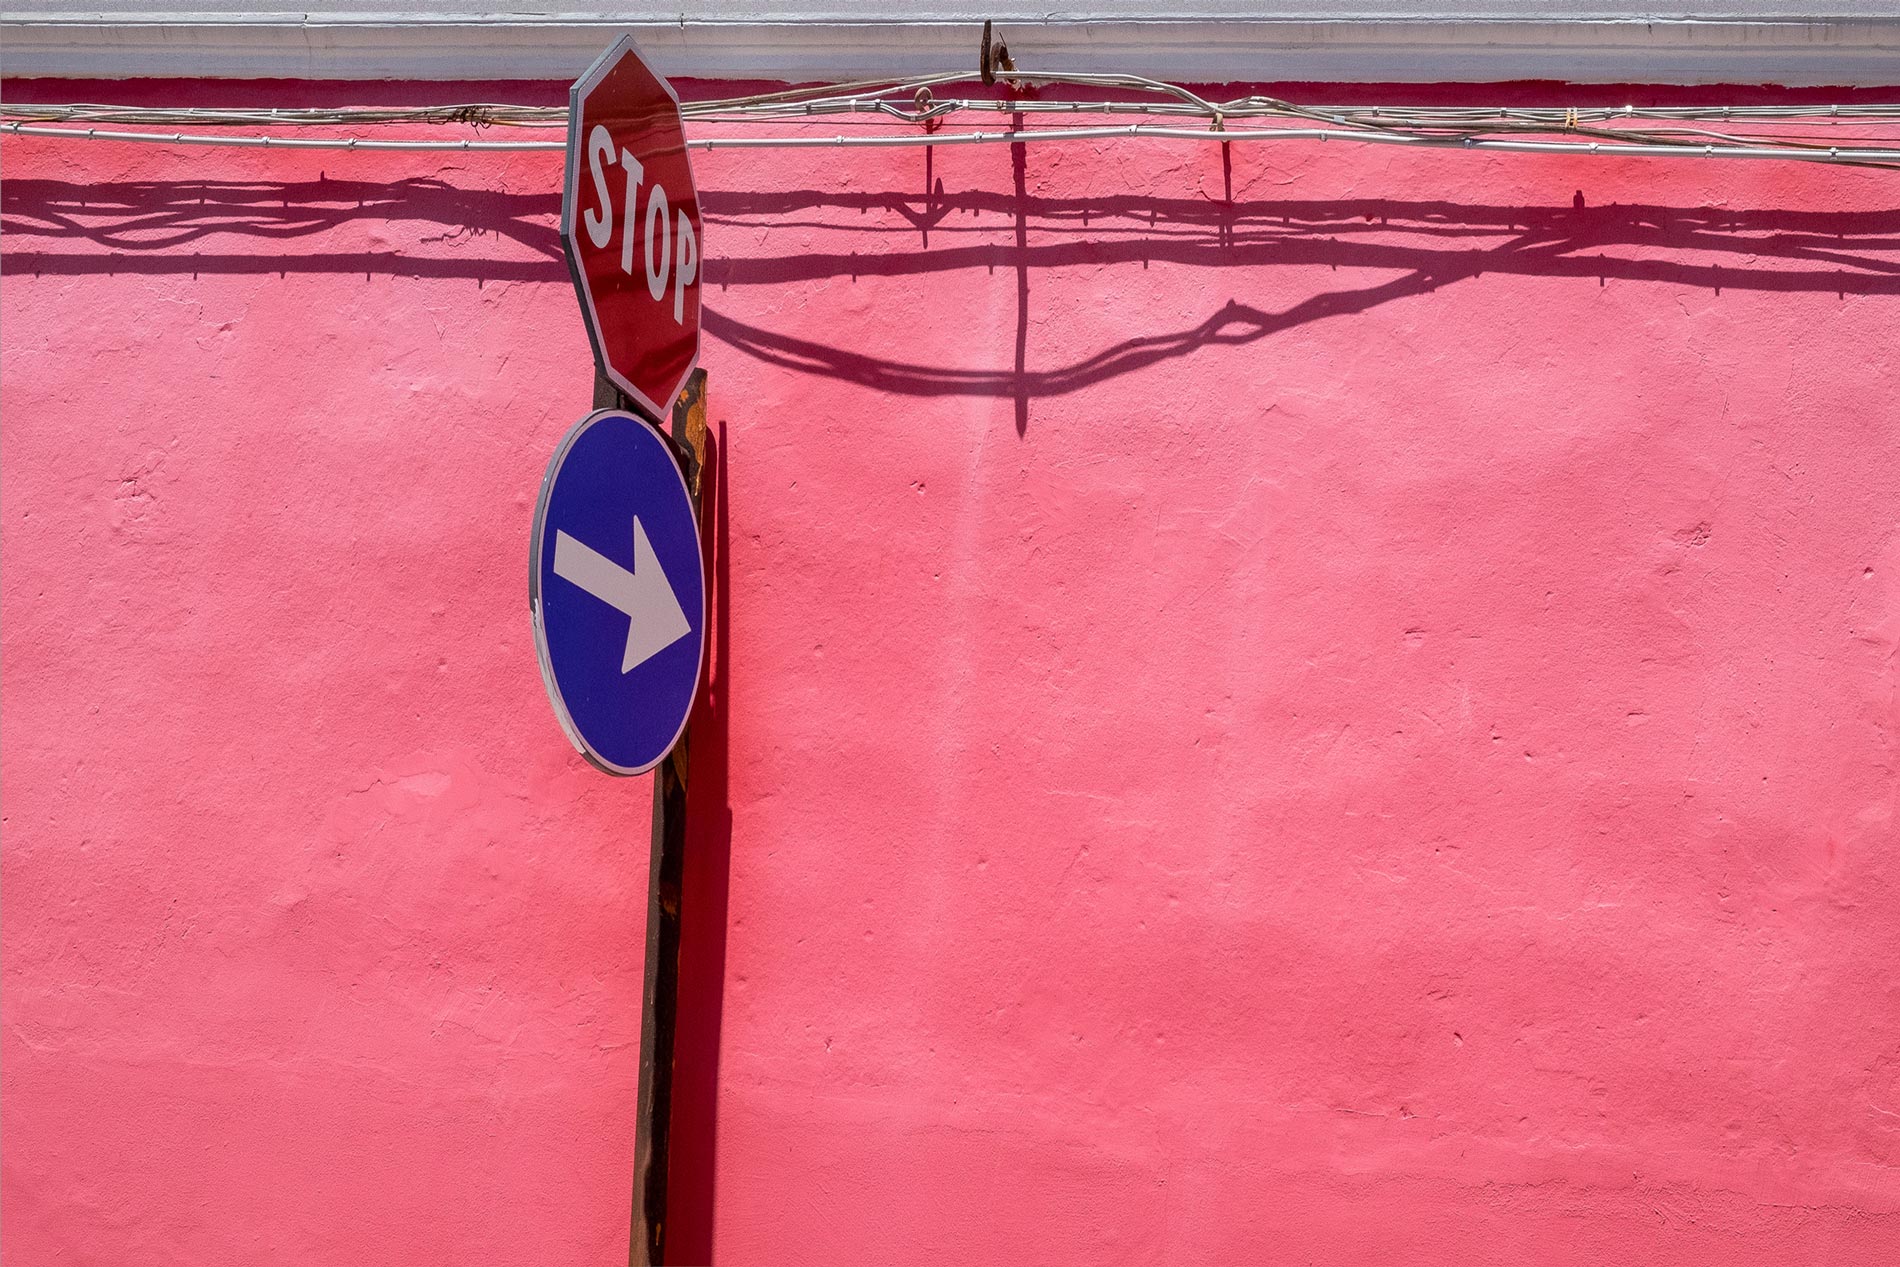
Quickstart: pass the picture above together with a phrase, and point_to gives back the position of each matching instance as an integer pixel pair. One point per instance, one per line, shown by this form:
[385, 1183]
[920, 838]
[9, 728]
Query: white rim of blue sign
[570, 199]
[538, 534]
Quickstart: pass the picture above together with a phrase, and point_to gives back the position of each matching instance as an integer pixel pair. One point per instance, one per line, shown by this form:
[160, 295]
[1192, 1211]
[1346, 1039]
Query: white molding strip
[1826, 51]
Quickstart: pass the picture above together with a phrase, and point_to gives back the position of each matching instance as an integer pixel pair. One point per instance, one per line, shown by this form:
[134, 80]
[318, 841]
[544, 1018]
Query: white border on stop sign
[570, 201]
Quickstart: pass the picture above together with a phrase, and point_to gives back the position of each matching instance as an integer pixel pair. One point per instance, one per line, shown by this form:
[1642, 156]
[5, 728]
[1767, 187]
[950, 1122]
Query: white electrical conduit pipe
[1604, 149]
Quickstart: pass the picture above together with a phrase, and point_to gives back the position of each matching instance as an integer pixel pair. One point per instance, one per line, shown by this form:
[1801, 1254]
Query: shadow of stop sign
[630, 224]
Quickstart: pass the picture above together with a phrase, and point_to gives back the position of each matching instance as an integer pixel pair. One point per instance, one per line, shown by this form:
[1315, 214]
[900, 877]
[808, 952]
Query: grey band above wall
[1844, 46]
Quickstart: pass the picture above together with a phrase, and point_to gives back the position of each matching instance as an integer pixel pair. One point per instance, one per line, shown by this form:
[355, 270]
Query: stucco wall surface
[321, 945]
[1309, 705]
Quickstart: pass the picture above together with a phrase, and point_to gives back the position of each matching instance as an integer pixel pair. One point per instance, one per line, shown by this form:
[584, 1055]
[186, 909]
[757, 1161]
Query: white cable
[1605, 150]
[276, 142]
[888, 100]
[1844, 155]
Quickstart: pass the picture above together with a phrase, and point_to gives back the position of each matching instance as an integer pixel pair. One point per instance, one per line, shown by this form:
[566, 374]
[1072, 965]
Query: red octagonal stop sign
[630, 223]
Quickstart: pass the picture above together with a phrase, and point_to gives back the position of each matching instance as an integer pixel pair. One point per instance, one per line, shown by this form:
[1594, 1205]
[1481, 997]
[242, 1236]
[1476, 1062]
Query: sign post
[617, 579]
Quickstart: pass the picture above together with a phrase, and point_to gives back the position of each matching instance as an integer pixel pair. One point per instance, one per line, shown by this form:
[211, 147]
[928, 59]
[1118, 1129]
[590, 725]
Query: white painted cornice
[1844, 48]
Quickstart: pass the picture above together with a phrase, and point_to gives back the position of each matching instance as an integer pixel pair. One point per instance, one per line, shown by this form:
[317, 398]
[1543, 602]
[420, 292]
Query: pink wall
[1338, 710]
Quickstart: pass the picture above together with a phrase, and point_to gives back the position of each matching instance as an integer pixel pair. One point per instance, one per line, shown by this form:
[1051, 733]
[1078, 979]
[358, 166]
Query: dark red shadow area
[703, 885]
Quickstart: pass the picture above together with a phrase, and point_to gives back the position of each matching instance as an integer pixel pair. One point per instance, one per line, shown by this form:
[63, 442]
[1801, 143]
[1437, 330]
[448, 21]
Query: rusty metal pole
[659, 1006]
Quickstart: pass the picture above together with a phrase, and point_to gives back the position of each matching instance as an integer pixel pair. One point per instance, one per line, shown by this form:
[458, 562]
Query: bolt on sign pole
[617, 581]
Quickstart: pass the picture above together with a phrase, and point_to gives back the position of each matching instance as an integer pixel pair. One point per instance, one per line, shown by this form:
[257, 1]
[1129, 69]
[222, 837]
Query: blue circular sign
[618, 592]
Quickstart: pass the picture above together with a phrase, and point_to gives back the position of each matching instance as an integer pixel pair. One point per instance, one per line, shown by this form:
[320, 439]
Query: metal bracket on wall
[993, 55]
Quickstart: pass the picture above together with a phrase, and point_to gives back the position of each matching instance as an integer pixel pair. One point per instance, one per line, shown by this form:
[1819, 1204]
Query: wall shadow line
[140, 227]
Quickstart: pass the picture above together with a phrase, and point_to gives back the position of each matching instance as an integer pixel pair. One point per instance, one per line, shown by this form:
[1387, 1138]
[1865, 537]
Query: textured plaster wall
[1333, 706]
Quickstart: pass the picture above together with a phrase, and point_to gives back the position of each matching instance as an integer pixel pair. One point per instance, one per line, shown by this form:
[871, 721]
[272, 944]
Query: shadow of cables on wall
[55, 227]
[58, 227]
[1430, 244]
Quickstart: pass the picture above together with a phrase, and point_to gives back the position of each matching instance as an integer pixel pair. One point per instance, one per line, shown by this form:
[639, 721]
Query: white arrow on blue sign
[618, 592]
